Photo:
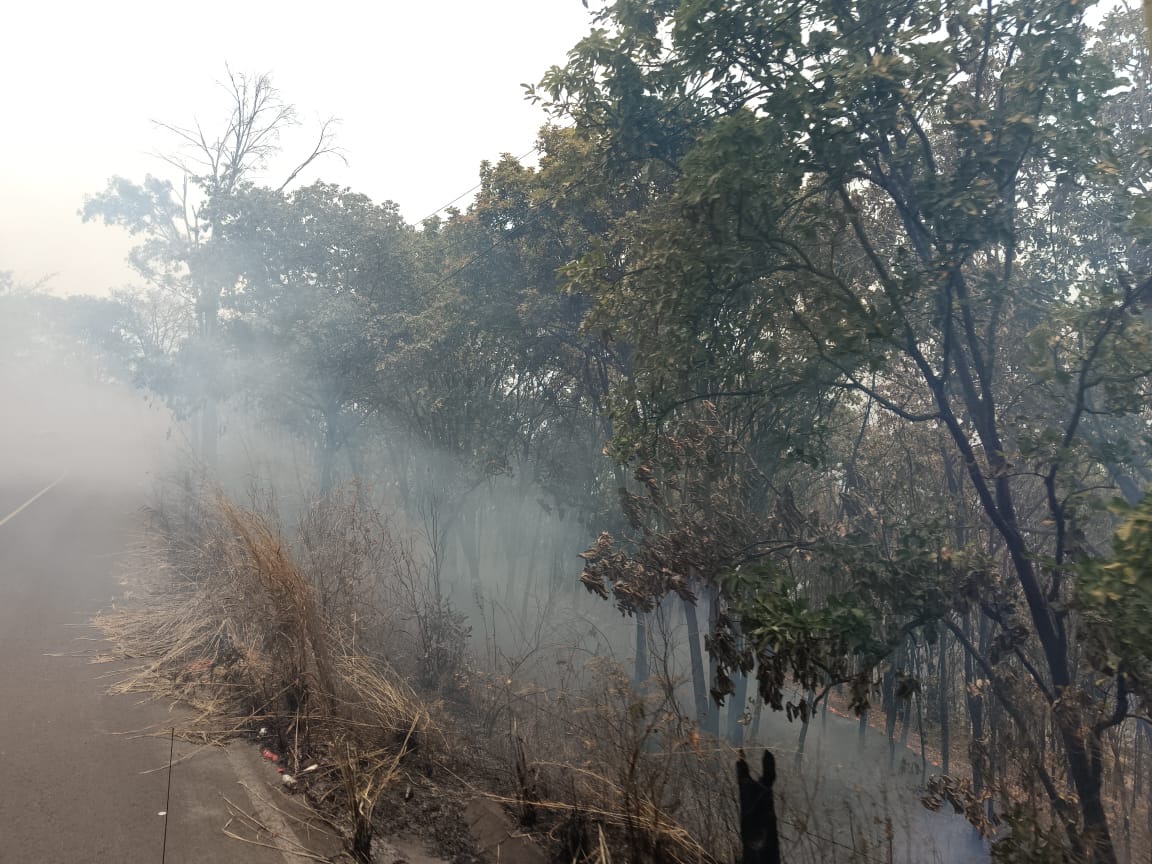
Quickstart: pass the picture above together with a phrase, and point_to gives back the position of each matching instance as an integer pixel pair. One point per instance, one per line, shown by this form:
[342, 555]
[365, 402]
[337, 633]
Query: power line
[535, 149]
[537, 210]
[800, 830]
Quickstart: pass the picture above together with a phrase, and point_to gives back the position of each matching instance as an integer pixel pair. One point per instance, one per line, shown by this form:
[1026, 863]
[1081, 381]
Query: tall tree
[176, 220]
[867, 201]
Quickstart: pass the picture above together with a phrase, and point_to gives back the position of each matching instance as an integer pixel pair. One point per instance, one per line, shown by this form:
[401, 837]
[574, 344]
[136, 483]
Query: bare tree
[176, 221]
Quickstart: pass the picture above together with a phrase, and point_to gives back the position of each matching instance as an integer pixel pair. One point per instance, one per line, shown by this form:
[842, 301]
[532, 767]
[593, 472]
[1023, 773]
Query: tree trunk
[920, 732]
[1148, 749]
[640, 673]
[329, 450]
[207, 308]
[210, 436]
[945, 704]
[891, 708]
[736, 707]
[713, 595]
[974, 699]
[905, 722]
[529, 569]
[807, 718]
[696, 658]
[530, 579]
[757, 713]
[1087, 779]
[469, 543]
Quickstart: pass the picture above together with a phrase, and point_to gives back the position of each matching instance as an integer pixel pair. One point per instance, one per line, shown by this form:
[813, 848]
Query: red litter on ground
[270, 756]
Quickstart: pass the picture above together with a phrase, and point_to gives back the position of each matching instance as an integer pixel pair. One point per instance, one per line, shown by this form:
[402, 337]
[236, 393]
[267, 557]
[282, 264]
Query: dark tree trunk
[1148, 749]
[891, 709]
[329, 450]
[469, 543]
[920, 732]
[713, 725]
[736, 706]
[978, 751]
[905, 721]
[530, 566]
[810, 698]
[757, 713]
[511, 549]
[207, 309]
[945, 706]
[530, 579]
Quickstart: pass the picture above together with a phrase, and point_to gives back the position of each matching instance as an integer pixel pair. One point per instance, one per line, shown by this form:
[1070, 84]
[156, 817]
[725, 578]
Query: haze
[424, 92]
[787, 402]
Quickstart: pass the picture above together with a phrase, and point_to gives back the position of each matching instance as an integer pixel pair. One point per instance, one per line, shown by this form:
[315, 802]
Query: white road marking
[32, 500]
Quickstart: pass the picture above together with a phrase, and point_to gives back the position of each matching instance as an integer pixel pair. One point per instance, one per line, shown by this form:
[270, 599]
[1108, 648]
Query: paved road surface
[72, 790]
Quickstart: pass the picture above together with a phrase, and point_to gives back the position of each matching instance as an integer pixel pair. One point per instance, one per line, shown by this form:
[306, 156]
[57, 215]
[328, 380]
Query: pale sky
[425, 91]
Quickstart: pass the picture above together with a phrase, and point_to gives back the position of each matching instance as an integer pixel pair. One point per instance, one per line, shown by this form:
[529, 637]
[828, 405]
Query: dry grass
[602, 767]
[229, 622]
[257, 632]
[225, 620]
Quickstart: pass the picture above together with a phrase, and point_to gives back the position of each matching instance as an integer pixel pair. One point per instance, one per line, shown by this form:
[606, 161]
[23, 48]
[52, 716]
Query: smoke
[63, 413]
[503, 552]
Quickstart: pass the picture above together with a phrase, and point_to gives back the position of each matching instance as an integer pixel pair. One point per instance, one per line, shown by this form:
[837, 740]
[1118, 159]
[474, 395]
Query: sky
[424, 90]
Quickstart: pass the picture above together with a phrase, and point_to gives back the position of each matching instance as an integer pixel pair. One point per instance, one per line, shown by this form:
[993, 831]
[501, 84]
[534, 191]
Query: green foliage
[923, 209]
[799, 639]
[1028, 840]
[794, 643]
[1115, 597]
[845, 304]
[154, 212]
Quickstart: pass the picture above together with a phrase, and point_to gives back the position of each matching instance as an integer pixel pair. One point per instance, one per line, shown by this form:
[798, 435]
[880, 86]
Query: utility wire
[33, 499]
[823, 839]
[537, 208]
[535, 149]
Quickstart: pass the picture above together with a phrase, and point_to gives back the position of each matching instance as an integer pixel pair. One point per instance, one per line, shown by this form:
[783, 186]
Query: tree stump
[759, 835]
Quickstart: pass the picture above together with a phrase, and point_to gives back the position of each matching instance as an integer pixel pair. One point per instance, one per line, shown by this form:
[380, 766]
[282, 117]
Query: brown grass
[315, 639]
[225, 621]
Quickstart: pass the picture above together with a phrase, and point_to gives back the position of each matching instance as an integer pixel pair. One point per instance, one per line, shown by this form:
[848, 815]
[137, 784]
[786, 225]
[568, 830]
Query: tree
[325, 290]
[176, 221]
[868, 207]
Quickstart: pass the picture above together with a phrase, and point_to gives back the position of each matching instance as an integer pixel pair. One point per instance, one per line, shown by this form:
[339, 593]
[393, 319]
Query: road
[74, 787]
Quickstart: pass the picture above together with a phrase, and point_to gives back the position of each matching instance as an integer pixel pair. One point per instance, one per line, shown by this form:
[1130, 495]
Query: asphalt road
[74, 787]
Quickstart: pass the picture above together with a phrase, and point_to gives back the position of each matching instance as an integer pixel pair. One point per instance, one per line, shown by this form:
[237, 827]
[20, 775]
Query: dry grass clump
[606, 768]
[229, 623]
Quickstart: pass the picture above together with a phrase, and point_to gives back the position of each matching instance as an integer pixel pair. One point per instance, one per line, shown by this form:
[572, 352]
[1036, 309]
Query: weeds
[233, 626]
[313, 638]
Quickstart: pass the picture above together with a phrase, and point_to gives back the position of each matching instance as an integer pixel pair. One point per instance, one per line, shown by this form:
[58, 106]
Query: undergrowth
[336, 647]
